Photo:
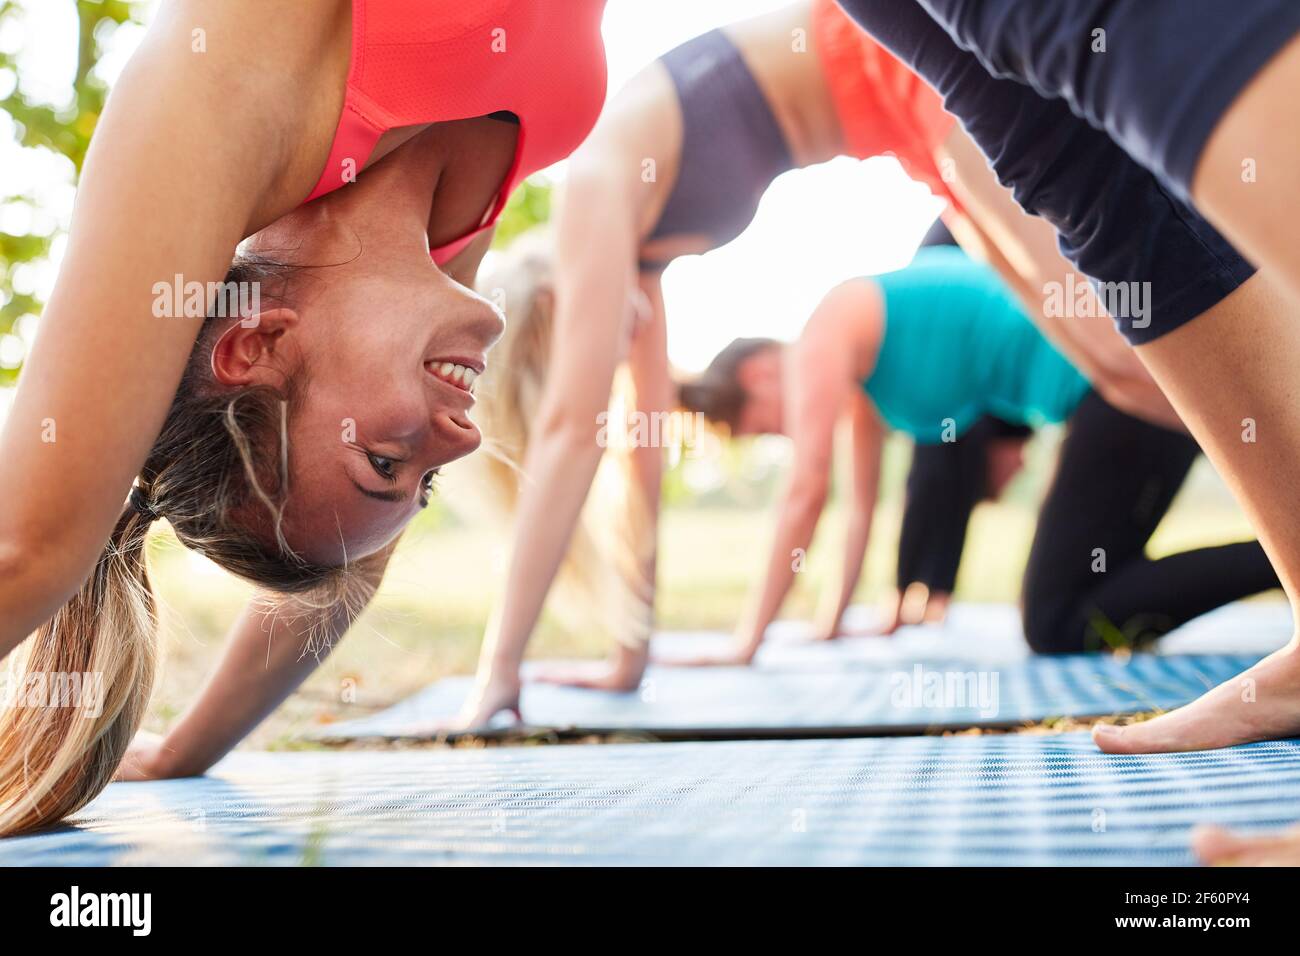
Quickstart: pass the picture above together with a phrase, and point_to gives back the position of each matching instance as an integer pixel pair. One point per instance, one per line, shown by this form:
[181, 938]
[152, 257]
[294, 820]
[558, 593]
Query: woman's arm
[648, 364]
[866, 437]
[821, 381]
[269, 653]
[180, 170]
[821, 388]
[1024, 249]
[596, 273]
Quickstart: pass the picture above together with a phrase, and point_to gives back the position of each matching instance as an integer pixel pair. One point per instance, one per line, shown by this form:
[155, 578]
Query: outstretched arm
[648, 364]
[822, 376]
[269, 653]
[595, 258]
[866, 437]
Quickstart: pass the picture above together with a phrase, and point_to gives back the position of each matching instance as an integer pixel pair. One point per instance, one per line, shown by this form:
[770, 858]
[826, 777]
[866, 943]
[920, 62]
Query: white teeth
[461, 375]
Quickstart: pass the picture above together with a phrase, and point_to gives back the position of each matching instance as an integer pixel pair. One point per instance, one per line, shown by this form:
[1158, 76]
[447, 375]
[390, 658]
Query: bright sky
[814, 227]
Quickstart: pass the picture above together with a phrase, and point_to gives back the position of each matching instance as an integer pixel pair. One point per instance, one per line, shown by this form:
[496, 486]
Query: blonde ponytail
[219, 474]
[88, 675]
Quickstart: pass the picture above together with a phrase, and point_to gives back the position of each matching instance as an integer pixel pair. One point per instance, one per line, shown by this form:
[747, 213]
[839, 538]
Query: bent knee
[1051, 625]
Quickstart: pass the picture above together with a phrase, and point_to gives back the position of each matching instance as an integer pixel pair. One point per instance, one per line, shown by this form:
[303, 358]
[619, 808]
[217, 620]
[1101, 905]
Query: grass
[428, 618]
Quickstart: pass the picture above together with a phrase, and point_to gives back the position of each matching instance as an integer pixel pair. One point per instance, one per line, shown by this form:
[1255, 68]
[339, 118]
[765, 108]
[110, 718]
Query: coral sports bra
[416, 62]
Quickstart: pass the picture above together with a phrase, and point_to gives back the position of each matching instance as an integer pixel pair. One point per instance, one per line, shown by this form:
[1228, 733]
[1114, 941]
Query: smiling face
[385, 349]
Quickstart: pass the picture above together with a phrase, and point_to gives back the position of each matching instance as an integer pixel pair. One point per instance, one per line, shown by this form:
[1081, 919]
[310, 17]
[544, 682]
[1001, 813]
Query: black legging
[1115, 479]
[945, 483]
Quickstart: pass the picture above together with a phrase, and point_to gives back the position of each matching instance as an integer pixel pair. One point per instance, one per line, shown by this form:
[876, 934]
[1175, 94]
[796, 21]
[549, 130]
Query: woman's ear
[253, 350]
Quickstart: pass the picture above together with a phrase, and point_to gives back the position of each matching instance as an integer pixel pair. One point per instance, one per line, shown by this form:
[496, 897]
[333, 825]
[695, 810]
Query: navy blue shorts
[1118, 222]
[1157, 75]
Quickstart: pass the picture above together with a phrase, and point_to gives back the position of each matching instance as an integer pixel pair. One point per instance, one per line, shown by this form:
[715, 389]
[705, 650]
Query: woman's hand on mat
[889, 618]
[593, 675]
[886, 628]
[145, 759]
[916, 606]
[488, 700]
[621, 672]
[739, 655]
[829, 630]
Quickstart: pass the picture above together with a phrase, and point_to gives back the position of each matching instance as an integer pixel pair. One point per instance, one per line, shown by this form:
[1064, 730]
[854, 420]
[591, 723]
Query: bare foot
[1218, 847]
[1261, 704]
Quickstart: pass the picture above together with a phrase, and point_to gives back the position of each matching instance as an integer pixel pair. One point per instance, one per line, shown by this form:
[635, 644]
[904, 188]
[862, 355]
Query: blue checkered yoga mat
[1022, 799]
[977, 632]
[715, 703]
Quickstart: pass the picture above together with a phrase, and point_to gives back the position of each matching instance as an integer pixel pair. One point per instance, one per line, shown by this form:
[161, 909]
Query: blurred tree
[529, 206]
[61, 128]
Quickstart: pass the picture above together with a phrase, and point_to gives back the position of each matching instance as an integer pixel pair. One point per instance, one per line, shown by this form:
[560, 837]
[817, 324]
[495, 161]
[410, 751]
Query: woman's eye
[426, 486]
[383, 466]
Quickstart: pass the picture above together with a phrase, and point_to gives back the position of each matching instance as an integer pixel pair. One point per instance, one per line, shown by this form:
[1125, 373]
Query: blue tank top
[957, 345]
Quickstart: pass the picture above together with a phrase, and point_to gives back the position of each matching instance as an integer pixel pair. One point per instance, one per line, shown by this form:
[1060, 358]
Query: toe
[1215, 845]
[1114, 739]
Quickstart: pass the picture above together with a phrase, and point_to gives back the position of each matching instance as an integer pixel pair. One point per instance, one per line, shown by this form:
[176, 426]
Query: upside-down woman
[290, 444]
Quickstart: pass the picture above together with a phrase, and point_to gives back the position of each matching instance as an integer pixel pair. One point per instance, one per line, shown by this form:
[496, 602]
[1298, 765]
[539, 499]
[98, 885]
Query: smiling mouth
[453, 373]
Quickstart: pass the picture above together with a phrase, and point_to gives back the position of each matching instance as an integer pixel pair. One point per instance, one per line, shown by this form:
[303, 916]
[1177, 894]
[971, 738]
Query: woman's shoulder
[850, 316]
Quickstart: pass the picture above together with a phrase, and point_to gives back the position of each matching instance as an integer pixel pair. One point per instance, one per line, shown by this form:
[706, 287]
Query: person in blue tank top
[929, 351]
[957, 345]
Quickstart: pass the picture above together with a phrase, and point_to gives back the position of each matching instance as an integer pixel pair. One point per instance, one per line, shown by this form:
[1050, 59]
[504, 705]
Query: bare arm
[822, 375]
[866, 436]
[648, 363]
[1024, 249]
[595, 255]
[655, 395]
[174, 179]
[269, 653]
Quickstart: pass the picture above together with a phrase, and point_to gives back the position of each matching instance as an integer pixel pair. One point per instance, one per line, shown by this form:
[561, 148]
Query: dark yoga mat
[983, 800]
[741, 702]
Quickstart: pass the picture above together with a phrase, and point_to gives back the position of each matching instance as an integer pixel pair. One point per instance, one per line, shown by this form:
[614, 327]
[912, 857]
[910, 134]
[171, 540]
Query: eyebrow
[395, 496]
